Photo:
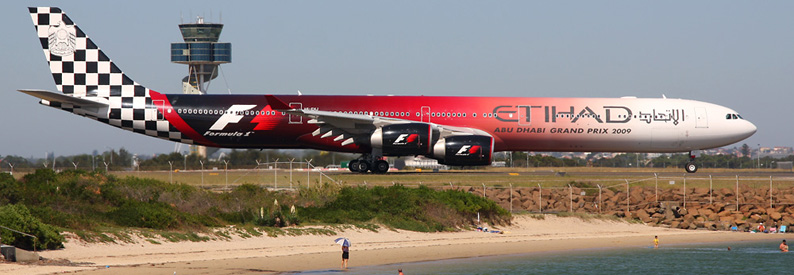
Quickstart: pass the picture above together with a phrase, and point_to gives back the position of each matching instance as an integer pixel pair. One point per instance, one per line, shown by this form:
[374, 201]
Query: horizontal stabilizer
[58, 97]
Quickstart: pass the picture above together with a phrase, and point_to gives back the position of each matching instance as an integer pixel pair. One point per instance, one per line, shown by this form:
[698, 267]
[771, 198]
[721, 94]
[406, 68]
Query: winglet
[276, 103]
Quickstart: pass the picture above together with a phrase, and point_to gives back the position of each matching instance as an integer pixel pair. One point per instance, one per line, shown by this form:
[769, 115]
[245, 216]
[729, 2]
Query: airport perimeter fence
[537, 196]
[276, 175]
[611, 195]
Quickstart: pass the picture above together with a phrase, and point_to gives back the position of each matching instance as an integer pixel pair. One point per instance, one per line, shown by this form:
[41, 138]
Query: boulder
[705, 212]
[528, 205]
[643, 216]
[725, 213]
[775, 216]
[788, 221]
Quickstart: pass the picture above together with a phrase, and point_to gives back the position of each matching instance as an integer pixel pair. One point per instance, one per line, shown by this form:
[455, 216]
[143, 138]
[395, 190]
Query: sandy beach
[273, 255]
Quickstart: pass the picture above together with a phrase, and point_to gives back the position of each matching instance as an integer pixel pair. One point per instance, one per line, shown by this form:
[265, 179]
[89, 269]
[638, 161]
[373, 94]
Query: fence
[609, 196]
[276, 175]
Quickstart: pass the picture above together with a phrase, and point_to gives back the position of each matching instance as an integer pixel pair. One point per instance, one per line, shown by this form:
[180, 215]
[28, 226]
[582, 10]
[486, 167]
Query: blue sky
[733, 53]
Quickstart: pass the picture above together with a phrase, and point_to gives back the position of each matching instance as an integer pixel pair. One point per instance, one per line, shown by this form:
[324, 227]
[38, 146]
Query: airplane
[455, 130]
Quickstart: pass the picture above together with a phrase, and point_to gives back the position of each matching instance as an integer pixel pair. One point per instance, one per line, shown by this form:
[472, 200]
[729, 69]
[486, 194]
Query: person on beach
[345, 256]
[783, 246]
[655, 241]
[400, 272]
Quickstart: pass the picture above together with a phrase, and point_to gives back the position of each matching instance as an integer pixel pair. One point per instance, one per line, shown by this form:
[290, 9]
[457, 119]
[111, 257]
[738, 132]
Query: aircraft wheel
[691, 167]
[381, 167]
[353, 165]
[362, 167]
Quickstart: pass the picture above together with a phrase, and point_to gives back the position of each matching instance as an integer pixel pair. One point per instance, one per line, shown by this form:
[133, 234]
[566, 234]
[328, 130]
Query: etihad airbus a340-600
[458, 131]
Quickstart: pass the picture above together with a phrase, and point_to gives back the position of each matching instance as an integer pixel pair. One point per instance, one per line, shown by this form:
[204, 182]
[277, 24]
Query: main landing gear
[368, 163]
[691, 166]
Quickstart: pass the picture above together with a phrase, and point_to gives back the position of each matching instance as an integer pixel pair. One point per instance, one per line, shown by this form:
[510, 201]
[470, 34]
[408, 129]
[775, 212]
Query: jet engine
[465, 150]
[404, 139]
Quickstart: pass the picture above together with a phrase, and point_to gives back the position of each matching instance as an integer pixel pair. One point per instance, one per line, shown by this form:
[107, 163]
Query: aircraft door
[524, 117]
[152, 110]
[701, 120]
[295, 119]
[425, 114]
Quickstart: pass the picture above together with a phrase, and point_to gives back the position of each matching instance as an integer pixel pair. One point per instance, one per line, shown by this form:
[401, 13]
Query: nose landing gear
[691, 166]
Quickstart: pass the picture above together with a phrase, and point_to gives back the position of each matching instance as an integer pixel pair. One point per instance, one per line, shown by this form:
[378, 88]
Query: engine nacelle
[404, 139]
[464, 150]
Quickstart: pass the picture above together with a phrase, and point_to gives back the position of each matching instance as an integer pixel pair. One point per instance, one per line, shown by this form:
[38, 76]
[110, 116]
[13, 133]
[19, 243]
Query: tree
[745, 150]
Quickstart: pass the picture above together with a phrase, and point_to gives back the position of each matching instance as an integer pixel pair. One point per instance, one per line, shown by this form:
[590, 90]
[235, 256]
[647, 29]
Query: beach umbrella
[343, 242]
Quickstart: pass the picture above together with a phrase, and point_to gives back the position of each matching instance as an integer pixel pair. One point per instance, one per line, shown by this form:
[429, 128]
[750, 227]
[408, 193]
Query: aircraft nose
[747, 130]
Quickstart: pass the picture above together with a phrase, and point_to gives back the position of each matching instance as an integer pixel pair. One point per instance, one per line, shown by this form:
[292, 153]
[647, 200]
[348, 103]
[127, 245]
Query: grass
[89, 204]
[491, 177]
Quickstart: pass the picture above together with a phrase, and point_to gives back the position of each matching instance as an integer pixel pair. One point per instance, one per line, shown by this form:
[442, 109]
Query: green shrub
[146, 215]
[19, 218]
[416, 209]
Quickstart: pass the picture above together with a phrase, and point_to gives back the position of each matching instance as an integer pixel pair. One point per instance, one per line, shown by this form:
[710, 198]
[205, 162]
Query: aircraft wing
[350, 127]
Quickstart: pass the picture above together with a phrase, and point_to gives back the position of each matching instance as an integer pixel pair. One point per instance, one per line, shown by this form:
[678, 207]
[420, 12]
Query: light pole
[275, 175]
[185, 162]
[759, 156]
[308, 172]
[290, 173]
[226, 169]
[202, 172]
[263, 171]
[170, 171]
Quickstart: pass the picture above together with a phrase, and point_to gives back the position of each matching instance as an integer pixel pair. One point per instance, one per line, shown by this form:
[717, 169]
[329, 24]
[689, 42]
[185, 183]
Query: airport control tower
[203, 54]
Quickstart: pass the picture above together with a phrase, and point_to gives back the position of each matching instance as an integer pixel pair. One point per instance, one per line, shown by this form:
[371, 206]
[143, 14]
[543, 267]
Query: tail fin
[78, 66]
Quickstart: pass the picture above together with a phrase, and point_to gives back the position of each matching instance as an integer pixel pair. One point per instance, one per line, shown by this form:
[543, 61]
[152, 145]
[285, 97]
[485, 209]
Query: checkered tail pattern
[81, 70]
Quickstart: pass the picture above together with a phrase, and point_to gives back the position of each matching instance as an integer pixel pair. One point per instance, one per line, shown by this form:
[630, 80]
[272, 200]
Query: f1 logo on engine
[404, 139]
[233, 115]
[468, 150]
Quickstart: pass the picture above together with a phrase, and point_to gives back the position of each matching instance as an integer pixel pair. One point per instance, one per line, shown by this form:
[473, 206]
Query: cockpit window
[733, 116]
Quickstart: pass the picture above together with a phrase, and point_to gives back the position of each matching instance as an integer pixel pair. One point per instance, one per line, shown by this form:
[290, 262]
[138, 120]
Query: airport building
[203, 54]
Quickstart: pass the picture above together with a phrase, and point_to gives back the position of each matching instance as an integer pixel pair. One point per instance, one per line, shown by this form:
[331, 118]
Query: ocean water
[713, 258]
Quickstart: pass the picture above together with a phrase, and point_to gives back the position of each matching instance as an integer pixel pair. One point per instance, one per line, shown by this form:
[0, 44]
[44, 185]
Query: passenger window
[728, 116]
